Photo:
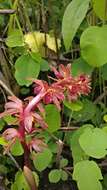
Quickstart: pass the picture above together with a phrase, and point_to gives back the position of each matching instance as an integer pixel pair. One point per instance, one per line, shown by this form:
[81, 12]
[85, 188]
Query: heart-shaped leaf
[25, 69]
[15, 39]
[93, 45]
[42, 160]
[87, 174]
[94, 142]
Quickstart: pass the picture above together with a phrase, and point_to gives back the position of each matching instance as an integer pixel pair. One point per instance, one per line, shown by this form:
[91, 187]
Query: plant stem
[6, 88]
[15, 162]
[34, 102]
[25, 147]
[26, 155]
[7, 11]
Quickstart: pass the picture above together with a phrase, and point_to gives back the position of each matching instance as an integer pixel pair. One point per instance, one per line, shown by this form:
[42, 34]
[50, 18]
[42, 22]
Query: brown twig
[99, 98]
[7, 11]
[102, 164]
[59, 151]
[6, 88]
[66, 129]
[15, 162]
[4, 96]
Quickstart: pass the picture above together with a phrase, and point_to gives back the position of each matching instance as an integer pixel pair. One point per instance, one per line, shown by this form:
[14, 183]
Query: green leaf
[2, 124]
[10, 119]
[80, 66]
[52, 118]
[93, 45]
[77, 152]
[105, 128]
[86, 113]
[44, 65]
[73, 16]
[99, 7]
[15, 39]
[87, 174]
[64, 175]
[63, 162]
[26, 68]
[105, 118]
[55, 176]
[53, 146]
[20, 182]
[36, 177]
[94, 142]
[14, 186]
[74, 106]
[17, 149]
[42, 160]
[2, 141]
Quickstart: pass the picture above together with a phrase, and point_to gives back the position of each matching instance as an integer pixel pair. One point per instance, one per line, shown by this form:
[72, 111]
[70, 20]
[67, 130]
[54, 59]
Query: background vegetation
[36, 35]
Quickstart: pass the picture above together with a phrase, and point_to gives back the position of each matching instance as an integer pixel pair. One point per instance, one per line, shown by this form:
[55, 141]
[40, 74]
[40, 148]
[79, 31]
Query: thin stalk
[33, 102]
[100, 81]
[105, 14]
[44, 25]
[28, 22]
[104, 89]
[26, 155]
[15, 162]
[14, 6]
[6, 88]
[23, 142]
[7, 11]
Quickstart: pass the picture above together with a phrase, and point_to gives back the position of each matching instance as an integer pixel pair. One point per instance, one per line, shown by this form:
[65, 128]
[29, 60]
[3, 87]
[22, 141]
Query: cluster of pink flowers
[30, 112]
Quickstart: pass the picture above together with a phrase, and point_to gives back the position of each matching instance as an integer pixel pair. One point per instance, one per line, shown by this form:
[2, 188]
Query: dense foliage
[53, 94]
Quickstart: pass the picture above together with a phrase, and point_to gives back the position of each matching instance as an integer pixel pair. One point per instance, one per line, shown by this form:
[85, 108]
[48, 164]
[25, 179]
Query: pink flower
[78, 86]
[37, 145]
[10, 134]
[73, 86]
[84, 82]
[13, 107]
[53, 93]
[39, 105]
[32, 119]
[64, 86]
[64, 71]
